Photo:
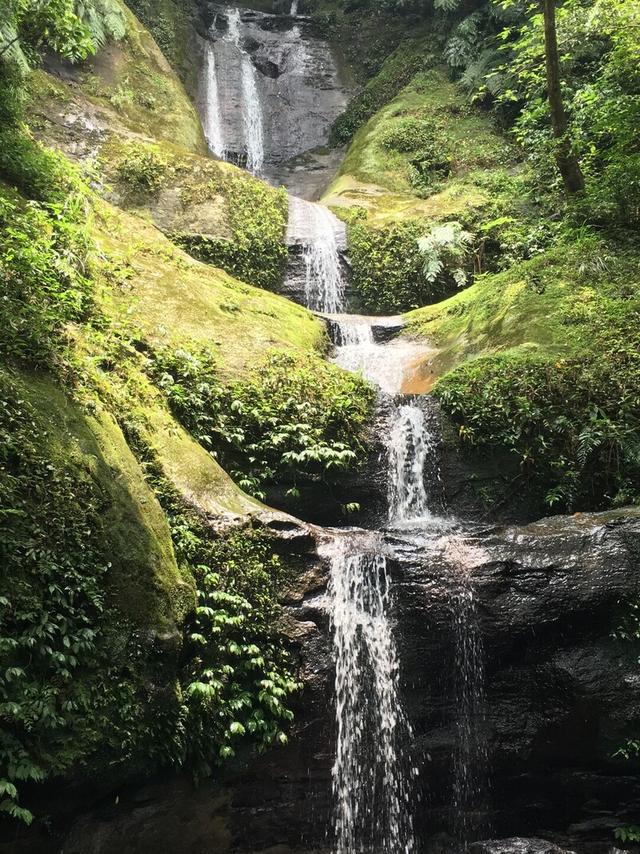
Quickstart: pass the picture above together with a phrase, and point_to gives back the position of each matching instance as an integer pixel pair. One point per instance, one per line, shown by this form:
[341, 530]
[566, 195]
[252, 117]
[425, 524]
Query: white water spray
[318, 231]
[410, 443]
[212, 118]
[294, 9]
[372, 780]
[251, 108]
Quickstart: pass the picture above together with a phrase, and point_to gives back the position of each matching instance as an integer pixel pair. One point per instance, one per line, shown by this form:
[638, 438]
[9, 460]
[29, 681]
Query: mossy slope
[379, 179]
[144, 581]
[128, 89]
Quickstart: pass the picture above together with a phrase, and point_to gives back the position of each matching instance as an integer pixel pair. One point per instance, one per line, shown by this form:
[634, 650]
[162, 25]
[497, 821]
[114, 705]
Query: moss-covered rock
[128, 89]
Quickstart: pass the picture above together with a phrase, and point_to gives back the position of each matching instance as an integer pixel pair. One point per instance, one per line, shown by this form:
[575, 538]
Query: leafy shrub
[290, 421]
[571, 425]
[44, 260]
[408, 134]
[38, 172]
[142, 169]
[388, 267]
[257, 215]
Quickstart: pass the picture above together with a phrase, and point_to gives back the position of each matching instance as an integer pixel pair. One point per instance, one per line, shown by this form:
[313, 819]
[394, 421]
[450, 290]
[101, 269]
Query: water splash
[212, 118]
[372, 779]
[385, 365]
[410, 443]
[251, 107]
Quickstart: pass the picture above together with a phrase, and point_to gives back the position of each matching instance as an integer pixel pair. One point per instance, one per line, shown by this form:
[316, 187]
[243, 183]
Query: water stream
[251, 104]
[374, 779]
[211, 115]
[372, 774]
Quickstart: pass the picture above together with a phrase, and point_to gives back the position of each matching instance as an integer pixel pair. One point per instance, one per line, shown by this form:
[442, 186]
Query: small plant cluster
[388, 267]
[426, 147]
[142, 169]
[288, 422]
[257, 215]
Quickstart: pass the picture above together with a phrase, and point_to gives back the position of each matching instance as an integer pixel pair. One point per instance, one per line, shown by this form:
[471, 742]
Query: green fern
[445, 249]
[10, 50]
[446, 5]
[104, 19]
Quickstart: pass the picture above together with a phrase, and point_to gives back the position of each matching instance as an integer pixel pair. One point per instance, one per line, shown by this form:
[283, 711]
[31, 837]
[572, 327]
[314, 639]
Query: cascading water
[470, 759]
[251, 108]
[318, 232]
[211, 115]
[409, 445]
[293, 11]
[372, 777]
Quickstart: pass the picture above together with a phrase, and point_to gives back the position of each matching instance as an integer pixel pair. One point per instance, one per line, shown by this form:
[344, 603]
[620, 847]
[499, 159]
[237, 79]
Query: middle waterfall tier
[317, 242]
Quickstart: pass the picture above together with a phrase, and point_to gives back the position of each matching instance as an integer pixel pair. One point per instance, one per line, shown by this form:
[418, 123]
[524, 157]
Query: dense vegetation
[454, 191]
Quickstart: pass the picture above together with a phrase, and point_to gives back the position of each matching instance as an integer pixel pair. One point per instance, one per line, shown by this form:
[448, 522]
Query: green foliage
[44, 260]
[290, 421]
[29, 27]
[257, 215]
[51, 601]
[446, 251]
[398, 69]
[104, 19]
[238, 676]
[142, 168]
[388, 267]
[72, 682]
[599, 44]
[570, 425]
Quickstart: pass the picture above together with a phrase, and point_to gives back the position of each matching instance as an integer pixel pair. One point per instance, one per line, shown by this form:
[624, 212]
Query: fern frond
[104, 19]
[446, 5]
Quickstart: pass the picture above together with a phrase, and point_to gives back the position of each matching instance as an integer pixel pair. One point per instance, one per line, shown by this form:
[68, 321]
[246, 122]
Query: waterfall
[372, 778]
[294, 9]
[470, 758]
[409, 445]
[212, 119]
[320, 235]
[251, 108]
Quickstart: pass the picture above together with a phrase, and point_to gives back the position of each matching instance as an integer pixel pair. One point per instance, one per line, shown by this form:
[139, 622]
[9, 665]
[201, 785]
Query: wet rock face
[561, 694]
[300, 90]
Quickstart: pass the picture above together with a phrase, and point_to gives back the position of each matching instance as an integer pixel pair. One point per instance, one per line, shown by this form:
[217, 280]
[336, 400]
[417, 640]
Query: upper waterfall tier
[275, 90]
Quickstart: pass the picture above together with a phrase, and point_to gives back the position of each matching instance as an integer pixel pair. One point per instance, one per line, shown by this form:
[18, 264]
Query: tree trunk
[567, 161]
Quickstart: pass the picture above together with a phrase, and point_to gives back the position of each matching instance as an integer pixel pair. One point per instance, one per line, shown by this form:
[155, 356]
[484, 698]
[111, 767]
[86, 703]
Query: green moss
[129, 87]
[91, 578]
[397, 70]
[437, 183]
[544, 360]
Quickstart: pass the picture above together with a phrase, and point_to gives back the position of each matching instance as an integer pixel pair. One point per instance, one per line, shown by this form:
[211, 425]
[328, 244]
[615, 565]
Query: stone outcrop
[561, 696]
